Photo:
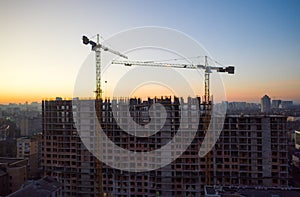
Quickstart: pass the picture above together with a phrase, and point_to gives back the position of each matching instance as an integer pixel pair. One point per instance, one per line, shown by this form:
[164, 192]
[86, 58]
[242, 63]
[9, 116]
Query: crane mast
[97, 47]
[206, 119]
[97, 50]
[206, 82]
[207, 104]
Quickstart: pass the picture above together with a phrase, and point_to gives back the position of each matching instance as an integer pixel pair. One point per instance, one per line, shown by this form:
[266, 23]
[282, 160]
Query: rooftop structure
[29, 148]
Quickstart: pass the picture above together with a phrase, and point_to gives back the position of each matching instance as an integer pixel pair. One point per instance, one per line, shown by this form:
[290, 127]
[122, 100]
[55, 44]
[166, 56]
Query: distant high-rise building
[265, 104]
[251, 151]
[286, 104]
[276, 104]
[29, 123]
[297, 140]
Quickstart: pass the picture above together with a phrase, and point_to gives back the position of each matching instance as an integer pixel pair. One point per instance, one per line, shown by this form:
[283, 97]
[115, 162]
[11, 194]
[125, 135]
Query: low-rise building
[45, 187]
[16, 170]
[29, 148]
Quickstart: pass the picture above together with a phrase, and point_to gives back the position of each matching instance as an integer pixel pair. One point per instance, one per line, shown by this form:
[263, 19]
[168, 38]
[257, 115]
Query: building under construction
[251, 151]
[64, 157]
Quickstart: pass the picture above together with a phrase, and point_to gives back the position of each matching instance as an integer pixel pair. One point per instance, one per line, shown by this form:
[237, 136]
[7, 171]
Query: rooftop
[39, 188]
[234, 191]
[2, 172]
[8, 160]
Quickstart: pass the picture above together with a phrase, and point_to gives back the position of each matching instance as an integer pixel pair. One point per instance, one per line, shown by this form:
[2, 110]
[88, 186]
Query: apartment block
[29, 148]
[251, 150]
[64, 157]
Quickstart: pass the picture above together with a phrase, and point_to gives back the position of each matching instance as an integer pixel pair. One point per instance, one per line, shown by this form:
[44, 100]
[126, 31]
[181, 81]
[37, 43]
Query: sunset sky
[41, 51]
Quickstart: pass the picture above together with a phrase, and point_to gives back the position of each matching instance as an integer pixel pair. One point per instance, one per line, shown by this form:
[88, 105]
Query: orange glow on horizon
[145, 95]
[22, 98]
[246, 93]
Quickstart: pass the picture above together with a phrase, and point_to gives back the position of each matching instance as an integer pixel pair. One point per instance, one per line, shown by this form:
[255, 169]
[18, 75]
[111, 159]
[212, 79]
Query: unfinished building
[251, 150]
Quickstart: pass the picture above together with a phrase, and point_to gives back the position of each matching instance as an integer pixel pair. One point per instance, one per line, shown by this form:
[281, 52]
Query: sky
[41, 51]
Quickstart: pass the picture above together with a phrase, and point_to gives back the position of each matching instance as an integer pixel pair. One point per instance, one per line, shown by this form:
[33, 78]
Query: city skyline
[41, 51]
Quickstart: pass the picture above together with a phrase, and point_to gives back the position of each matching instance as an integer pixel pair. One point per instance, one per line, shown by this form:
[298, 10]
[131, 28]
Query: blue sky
[40, 40]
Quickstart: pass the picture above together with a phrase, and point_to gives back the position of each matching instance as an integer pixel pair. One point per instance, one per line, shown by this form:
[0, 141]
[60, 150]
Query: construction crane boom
[157, 64]
[207, 102]
[113, 51]
[229, 69]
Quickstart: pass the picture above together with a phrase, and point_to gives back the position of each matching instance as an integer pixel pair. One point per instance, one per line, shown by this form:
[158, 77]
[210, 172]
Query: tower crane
[207, 103]
[97, 47]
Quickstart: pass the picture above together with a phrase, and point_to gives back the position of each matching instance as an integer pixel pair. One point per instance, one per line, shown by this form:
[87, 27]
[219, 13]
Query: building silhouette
[276, 104]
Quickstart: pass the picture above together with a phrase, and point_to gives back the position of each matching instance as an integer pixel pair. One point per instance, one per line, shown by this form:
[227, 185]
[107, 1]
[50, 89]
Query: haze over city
[41, 50]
